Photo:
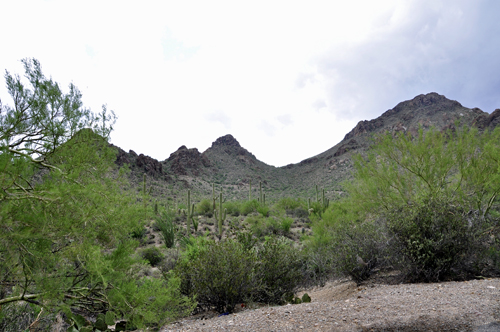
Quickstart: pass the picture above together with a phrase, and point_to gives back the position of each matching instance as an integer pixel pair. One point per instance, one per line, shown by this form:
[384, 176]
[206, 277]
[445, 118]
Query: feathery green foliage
[65, 219]
[428, 203]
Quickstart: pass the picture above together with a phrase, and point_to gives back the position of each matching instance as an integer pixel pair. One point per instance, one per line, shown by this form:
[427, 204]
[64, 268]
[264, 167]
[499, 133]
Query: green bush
[347, 242]
[232, 208]
[287, 203]
[262, 226]
[224, 273]
[359, 249]
[439, 240]
[249, 207]
[318, 266]
[316, 209]
[247, 239]
[219, 276]
[139, 233]
[286, 224]
[153, 255]
[204, 207]
[263, 210]
[170, 259]
[279, 270]
[165, 225]
[299, 212]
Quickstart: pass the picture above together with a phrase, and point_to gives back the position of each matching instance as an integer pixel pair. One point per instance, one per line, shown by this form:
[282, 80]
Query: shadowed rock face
[150, 166]
[140, 164]
[488, 121]
[186, 161]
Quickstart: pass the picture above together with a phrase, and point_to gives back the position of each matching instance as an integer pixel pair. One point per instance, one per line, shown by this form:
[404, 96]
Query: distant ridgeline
[231, 167]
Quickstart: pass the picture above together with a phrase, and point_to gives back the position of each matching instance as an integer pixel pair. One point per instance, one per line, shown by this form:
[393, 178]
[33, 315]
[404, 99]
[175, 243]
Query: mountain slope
[231, 167]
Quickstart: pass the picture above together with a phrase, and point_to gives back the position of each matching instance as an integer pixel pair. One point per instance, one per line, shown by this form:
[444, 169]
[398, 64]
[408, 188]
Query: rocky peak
[227, 140]
[429, 99]
[431, 109]
[140, 163]
[186, 161]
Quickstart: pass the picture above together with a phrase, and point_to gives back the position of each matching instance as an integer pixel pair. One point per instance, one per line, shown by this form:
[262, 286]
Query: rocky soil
[343, 306]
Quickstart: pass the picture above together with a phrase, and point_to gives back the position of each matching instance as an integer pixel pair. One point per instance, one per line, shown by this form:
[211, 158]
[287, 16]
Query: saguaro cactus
[214, 199]
[250, 191]
[325, 201]
[220, 216]
[262, 198]
[189, 213]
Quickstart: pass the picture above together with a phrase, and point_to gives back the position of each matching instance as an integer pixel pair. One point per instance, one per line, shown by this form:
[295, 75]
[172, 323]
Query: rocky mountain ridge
[232, 167]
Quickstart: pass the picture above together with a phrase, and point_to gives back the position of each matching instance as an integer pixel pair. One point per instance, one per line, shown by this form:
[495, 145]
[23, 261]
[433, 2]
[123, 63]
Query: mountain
[231, 167]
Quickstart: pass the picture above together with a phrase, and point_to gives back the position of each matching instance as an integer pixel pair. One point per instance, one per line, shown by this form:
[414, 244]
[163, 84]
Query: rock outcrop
[186, 161]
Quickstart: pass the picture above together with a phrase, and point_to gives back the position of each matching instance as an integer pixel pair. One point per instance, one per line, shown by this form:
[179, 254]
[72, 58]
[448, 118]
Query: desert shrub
[247, 239]
[170, 259]
[262, 226]
[287, 203]
[347, 242]
[232, 208]
[220, 275]
[318, 266]
[263, 210]
[286, 224]
[299, 212]
[278, 271]
[204, 207]
[316, 209]
[256, 224]
[248, 207]
[271, 226]
[439, 240]
[153, 255]
[165, 225]
[138, 233]
[359, 248]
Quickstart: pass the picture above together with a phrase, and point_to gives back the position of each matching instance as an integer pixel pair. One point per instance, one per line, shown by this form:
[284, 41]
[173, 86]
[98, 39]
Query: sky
[288, 79]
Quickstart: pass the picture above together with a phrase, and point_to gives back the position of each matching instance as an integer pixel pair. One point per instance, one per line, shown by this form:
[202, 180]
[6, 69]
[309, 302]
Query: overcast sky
[288, 79]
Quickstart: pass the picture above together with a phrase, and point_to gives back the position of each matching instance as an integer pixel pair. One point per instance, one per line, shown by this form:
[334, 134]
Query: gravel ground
[342, 306]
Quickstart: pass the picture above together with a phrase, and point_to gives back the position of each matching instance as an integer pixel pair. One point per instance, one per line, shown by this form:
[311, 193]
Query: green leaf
[110, 318]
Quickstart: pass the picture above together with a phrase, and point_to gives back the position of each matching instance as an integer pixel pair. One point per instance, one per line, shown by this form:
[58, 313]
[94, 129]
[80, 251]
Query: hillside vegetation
[92, 236]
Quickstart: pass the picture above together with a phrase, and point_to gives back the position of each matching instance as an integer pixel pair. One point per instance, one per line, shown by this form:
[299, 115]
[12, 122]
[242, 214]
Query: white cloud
[220, 117]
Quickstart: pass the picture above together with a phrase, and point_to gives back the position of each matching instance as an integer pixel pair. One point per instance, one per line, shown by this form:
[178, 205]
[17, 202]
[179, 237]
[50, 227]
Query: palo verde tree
[437, 194]
[64, 218]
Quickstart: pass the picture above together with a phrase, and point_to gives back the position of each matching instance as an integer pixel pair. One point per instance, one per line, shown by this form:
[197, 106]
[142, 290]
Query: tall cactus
[325, 201]
[189, 214]
[250, 191]
[220, 216]
[262, 198]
